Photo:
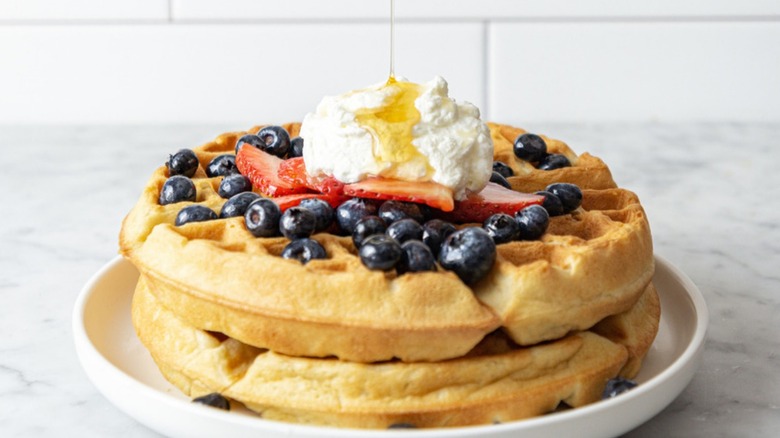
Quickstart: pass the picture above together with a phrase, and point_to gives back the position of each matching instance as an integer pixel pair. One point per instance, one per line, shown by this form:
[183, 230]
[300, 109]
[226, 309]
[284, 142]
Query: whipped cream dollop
[400, 130]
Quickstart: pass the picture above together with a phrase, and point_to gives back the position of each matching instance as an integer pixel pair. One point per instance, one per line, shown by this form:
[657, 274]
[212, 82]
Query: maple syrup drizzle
[392, 42]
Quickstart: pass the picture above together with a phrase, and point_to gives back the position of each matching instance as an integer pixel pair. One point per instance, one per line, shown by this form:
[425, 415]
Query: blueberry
[416, 257]
[237, 204]
[296, 147]
[532, 222]
[434, 233]
[275, 140]
[297, 223]
[177, 188]
[304, 250]
[554, 161]
[351, 211]
[262, 218]
[234, 184]
[405, 229]
[551, 203]
[617, 386]
[215, 400]
[194, 213]
[323, 212]
[184, 162]
[402, 426]
[250, 139]
[380, 252]
[367, 227]
[530, 147]
[501, 227]
[222, 165]
[392, 211]
[503, 169]
[569, 194]
[497, 178]
[469, 253]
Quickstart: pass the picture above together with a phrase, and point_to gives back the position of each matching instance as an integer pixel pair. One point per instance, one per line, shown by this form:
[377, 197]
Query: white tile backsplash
[60, 10]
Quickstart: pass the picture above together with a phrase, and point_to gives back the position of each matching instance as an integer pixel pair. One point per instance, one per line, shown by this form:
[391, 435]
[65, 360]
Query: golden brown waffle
[497, 382]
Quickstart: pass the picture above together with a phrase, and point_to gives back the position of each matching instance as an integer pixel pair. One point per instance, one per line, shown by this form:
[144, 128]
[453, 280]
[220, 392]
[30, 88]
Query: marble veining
[711, 192]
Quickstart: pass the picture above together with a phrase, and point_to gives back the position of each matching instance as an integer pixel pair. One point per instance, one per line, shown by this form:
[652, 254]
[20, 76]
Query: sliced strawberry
[293, 171]
[492, 199]
[285, 202]
[263, 170]
[430, 193]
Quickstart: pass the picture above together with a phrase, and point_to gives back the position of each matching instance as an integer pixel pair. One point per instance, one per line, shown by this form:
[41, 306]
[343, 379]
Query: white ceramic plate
[123, 372]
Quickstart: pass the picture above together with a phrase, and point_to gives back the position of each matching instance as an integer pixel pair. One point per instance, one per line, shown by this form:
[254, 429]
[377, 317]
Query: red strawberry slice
[293, 171]
[492, 199]
[430, 193]
[285, 202]
[263, 170]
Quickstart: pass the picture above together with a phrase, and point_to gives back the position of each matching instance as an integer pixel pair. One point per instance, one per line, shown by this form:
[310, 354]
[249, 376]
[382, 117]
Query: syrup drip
[392, 42]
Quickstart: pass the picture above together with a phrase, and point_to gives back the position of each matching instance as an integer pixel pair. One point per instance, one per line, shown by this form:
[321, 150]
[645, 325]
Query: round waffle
[590, 264]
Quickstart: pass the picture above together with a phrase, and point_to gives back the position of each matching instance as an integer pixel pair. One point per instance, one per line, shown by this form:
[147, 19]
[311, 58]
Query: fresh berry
[296, 147]
[262, 218]
[323, 212]
[276, 140]
[501, 227]
[554, 161]
[416, 257]
[551, 203]
[293, 172]
[177, 188]
[530, 147]
[491, 200]
[469, 253]
[194, 213]
[402, 426]
[222, 165]
[263, 170]
[430, 193]
[532, 222]
[367, 227]
[617, 386]
[499, 179]
[215, 400]
[351, 211]
[234, 184]
[297, 223]
[380, 252]
[434, 233]
[405, 229]
[250, 139]
[304, 250]
[237, 204]
[503, 169]
[569, 194]
[392, 211]
[184, 162]
[287, 201]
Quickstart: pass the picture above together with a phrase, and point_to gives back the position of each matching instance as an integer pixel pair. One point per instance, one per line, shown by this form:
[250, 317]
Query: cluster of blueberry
[532, 148]
[274, 140]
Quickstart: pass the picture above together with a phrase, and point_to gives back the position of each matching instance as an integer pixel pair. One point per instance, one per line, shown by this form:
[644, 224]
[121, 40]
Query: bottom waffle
[496, 382]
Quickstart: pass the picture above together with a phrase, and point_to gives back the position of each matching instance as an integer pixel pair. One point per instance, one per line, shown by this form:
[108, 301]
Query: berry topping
[380, 252]
[392, 211]
[499, 179]
[293, 172]
[501, 227]
[367, 227]
[503, 169]
[353, 210]
[430, 193]
[237, 204]
[469, 253]
[250, 139]
[215, 400]
[177, 188]
[434, 233]
[323, 212]
[234, 184]
[184, 162]
[551, 203]
[287, 201]
[222, 165]
[402, 426]
[415, 257]
[275, 140]
[532, 222]
[404, 230]
[297, 223]
[304, 250]
[194, 213]
[491, 200]
[296, 147]
[554, 161]
[262, 169]
[262, 218]
[530, 147]
[569, 194]
[617, 386]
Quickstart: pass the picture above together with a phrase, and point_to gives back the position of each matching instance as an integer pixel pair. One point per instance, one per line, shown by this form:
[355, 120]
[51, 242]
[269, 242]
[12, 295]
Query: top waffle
[590, 264]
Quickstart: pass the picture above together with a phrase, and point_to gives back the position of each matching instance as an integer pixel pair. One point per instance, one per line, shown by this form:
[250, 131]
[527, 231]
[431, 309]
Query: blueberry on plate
[215, 400]
[296, 147]
[497, 178]
[532, 222]
[554, 161]
[551, 203]
[434, 233]
[234, 184]
[275, 140]
[237, 204]
[380, 252]
[530, 147]
[501, 227]
[503, 169]
[415, 257]
[222, 165]
[405, 229]
[392, 211]
[177, 188]
[297, 223]
[351, 211]
[304, 250]
[184, 162]
[194, 213]
[617, 386]
[323, 212]
[367, 227]
[469, 253]
[262, 218]
[569, 194]
[402, 426]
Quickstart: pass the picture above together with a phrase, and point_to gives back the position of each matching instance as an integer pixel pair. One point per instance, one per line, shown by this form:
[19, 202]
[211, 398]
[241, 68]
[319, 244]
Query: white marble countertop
[711, 193]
